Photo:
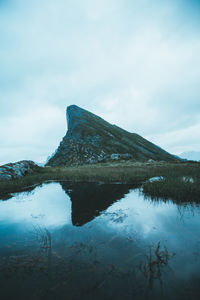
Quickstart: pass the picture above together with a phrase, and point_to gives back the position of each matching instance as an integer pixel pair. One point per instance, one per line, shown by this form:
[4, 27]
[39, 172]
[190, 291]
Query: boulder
[17, 170]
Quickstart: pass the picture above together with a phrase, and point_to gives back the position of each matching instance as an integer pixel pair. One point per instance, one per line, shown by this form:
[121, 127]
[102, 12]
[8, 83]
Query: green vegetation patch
[179, 189]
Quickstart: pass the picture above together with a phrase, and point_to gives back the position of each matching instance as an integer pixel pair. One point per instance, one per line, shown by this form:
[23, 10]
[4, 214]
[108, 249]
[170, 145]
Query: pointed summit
[73, 114]
[90, 139]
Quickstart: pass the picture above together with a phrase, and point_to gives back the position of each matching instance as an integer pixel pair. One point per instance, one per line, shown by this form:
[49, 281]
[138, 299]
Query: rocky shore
[16, 170]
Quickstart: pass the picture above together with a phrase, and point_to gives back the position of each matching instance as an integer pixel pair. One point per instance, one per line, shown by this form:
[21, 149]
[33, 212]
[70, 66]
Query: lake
[98, 241]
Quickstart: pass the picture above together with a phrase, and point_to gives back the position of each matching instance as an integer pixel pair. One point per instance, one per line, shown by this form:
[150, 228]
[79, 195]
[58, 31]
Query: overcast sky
[134, 63]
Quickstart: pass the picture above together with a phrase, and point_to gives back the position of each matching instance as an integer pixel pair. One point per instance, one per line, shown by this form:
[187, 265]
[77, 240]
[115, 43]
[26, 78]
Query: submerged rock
[90, 139]
[17, 170]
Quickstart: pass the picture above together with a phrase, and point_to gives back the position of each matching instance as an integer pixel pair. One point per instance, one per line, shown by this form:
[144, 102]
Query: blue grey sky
[134, 63]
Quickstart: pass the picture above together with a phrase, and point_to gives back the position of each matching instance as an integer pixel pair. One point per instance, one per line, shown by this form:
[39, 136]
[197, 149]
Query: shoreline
[136, 173]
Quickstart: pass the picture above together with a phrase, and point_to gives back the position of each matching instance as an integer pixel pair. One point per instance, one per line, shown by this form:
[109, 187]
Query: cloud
[33, 133]
[136, 64]
[178, 139]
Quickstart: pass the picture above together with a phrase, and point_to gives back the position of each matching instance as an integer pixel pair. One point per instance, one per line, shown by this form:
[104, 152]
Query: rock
[150, 161]
[114, 156]
[188, 179]
[118, 156]
[5, 176]
[126, 156]
[16, 170]
[90, 139]
[156, 178]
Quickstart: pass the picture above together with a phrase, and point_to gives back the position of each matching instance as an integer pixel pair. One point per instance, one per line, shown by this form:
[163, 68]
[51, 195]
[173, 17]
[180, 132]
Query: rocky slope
[90, 139]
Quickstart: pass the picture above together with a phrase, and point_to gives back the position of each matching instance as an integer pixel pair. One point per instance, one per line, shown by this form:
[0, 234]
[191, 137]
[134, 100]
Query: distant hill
[90, 139]
[190, 155]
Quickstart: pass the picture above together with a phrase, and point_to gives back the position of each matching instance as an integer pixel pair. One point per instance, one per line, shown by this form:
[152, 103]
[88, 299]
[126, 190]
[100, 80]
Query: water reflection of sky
[49, 206]
[120, 233]
[46, 206]
[156, 220]
[149, 222]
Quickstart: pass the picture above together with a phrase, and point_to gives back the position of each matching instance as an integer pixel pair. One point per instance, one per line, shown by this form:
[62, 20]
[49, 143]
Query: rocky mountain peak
[74, 116]
[91, 139]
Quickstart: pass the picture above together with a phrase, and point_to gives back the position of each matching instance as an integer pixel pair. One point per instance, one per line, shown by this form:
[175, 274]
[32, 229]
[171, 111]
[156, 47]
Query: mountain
[90, 139]
[190, 155]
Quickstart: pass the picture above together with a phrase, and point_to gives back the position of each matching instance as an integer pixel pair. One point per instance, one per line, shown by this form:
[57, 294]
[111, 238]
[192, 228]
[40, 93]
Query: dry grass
[125, 172]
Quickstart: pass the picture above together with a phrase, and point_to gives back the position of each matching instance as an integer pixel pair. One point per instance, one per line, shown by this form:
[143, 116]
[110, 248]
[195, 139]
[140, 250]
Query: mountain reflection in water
[96, 241]
[88, 200]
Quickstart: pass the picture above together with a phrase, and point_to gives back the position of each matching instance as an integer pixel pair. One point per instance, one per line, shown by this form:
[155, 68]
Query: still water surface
[98, 241]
